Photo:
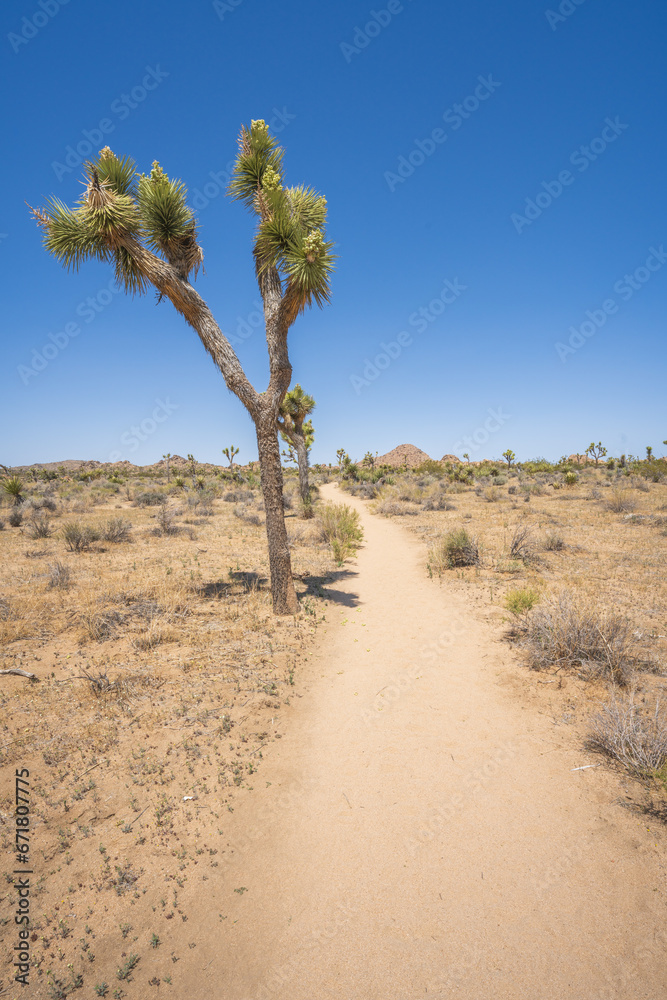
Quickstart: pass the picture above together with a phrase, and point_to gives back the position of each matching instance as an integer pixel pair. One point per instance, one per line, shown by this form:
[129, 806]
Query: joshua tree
[596, 451]
[341, 455]
[649, 452]
[466, 456]
[166, 463]
[294, 409]
[192, 462]
[229, 454]
[509, 457]
[143, 227]
[369, 459]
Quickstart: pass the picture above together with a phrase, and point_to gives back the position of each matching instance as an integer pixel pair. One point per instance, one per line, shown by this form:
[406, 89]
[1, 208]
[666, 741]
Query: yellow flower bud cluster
[313, 244]
[271, 180]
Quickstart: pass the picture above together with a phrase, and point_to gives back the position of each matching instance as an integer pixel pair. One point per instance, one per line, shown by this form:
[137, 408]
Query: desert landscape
[333, 501]
[163, 706]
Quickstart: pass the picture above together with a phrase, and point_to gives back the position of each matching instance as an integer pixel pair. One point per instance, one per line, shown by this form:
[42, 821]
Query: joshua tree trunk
[302, 457]
[282, 584]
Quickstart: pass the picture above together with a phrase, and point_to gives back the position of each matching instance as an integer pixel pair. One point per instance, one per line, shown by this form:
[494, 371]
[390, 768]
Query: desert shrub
[521, 600]
[306, 508]
[367, 491]
[456, 548]
[571, 478]
[564, 631]
[437, 501]
[620, 502]
[60, 576]
[117, 530]
[2, 524]
[395, 508]
[16, 518]
[511, 490]
[521, 546]
[243, 512]
[554, 542]
[238, 496]
[431, 468]
[165, 522]
[492, 494]
[636, 740]
[39, 526]
[340, 526]
[179, 482]
[149, 499]
[78, 537]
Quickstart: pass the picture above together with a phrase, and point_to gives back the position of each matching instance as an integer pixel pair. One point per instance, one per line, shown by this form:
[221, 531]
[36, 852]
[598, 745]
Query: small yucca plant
[13, 486]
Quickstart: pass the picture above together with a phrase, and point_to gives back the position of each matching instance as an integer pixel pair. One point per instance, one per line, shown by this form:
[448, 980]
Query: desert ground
[418, 786]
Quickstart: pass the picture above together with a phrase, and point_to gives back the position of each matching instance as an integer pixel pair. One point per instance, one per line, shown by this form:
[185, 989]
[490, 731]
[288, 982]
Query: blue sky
[498, 167]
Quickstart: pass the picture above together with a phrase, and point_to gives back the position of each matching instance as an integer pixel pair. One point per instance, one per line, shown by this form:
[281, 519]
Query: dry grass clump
[60, 576]
[244, 513]
[636, 740]
[394, 508]
[521, 545]
[79, 537]
[117, 530]
[620, 502]
[39, 526]
[554, 542]
[565, 631]
[456, 548]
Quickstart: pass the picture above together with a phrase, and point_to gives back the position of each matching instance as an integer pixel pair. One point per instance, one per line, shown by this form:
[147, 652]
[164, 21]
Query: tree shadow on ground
[320, 586]
[240, 582]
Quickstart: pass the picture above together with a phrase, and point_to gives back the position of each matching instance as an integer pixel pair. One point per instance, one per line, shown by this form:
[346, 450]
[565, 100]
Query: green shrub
[341, 528]
[456, 548]
[521, 600]
[571, 478]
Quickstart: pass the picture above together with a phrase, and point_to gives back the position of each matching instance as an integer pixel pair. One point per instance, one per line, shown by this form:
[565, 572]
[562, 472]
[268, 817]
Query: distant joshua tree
[649, 453]
[229, 454]
[166, 463]
[509, 457]
[294, 409]
[596, 451]
[143, 227]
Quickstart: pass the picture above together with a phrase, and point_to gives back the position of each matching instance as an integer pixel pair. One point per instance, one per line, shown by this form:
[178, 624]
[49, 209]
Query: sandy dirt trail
[423, 834]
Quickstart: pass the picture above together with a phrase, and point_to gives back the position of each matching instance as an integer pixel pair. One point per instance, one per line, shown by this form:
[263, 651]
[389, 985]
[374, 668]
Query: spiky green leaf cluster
[118, 204]
[291, 232]
[297, 404]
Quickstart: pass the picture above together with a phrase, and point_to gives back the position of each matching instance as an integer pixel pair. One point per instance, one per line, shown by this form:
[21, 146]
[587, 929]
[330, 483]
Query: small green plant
[125, 929]
[155, 941]
[101, 989]
[126, 968]
[571, 478]
[13, 486]
[521, 600]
